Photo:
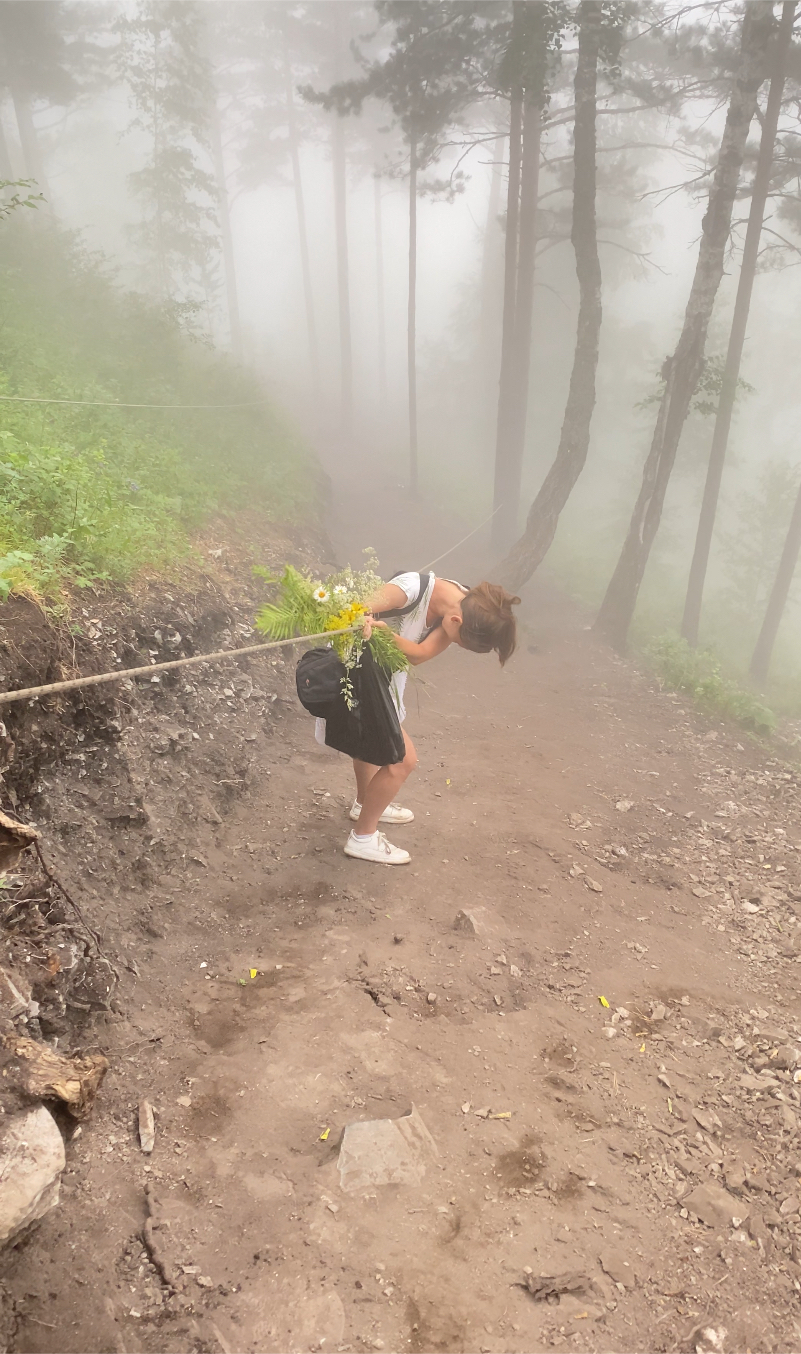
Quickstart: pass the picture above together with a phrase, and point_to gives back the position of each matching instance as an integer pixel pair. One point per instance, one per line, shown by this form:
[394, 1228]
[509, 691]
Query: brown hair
[487, 621]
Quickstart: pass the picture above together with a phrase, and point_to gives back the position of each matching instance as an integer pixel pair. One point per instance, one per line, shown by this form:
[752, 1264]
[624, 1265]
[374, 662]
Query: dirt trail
[612, 845]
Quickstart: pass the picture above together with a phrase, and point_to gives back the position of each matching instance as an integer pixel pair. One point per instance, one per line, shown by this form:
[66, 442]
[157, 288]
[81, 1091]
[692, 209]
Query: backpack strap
[425, 579]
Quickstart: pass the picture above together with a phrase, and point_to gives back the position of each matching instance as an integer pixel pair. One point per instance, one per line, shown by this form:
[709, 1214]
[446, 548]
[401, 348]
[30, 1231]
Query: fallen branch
[35, 1072]
[14, 839]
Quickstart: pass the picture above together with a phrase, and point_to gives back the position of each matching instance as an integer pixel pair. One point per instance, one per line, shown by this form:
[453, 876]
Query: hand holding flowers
[339, 606]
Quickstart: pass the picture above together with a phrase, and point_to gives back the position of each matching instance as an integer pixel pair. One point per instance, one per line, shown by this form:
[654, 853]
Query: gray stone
[619, 1269]
[15, 994]
[473, 922]
[31, 1161]
[715, 1206]
[385, 1152]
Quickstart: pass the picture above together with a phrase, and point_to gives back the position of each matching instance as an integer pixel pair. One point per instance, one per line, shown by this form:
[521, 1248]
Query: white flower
[320, 594]
[340, 590]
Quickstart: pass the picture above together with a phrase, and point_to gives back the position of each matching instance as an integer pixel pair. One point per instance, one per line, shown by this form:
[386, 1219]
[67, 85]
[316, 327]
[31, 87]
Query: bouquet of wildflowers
[337, 607]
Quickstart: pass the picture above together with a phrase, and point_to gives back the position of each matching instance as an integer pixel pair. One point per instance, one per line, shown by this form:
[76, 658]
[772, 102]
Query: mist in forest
[601, 205]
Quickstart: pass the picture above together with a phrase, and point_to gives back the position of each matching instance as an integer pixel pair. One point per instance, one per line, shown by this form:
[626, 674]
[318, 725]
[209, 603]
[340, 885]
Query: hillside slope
[95, 494]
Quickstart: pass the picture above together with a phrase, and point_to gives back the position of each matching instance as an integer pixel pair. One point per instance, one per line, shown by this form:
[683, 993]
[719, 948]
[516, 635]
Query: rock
[757, 1230]
[147, 1126]
[385, 1152]
[735, 1175]
[714, 1205]
[15, 995]
[790, 1205]
[708, 1339]
[31, 1161]
[707, 1120]
[473, 922]
[619, 1270]
[773, 1034]
[786, 1058]
[623, 805]
[593, 885]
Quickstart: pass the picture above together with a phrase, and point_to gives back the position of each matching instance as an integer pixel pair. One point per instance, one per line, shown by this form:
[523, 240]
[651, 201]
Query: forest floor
[595, 1065]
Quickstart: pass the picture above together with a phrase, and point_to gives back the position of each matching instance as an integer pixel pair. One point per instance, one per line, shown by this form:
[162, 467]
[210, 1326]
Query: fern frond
[276, 622]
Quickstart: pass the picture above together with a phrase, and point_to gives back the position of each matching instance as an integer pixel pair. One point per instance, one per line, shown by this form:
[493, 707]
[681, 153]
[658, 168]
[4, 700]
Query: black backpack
[319, 673]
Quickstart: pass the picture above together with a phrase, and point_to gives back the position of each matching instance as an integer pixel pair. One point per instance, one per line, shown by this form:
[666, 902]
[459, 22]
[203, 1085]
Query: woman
[444, 612]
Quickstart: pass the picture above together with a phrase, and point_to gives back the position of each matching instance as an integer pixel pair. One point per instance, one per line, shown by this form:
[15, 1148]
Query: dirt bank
[610, 844]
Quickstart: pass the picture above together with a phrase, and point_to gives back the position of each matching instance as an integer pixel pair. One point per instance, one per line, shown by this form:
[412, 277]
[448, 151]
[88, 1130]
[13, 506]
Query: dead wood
[14, 839]
[35, 1072]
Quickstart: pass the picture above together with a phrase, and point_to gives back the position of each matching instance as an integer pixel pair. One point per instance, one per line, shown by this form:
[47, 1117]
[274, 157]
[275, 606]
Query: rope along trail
[75, 683]
[137, 674]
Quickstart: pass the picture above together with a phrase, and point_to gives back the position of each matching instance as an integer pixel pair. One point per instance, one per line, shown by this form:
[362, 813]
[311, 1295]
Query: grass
[697, 674]
[95, 495]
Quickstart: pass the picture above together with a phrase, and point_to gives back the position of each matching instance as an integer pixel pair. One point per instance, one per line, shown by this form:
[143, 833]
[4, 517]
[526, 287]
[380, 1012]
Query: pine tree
[777, 601]
[525, 68]
[600, 33]
[683, 369]
[434, 68]
[720, 437]
[169, 79]
[47, 54]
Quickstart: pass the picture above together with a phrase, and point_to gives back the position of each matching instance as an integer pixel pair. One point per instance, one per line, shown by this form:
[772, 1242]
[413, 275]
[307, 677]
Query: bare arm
[388, 598]
[434, 644]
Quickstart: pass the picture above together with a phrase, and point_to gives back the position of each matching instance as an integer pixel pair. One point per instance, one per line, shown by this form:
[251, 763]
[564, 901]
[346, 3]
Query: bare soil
[621, 1030]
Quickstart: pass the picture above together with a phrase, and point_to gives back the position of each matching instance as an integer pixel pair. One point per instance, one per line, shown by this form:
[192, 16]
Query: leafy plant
[697, 673]
[20, 195]
[336, 607]
[91, 494]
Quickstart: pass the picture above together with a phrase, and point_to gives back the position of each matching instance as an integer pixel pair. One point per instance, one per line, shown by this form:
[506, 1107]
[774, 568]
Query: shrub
[696, 673]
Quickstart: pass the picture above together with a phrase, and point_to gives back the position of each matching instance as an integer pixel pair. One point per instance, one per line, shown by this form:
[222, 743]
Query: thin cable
[114, 404]
[462, 541]
[75, 683]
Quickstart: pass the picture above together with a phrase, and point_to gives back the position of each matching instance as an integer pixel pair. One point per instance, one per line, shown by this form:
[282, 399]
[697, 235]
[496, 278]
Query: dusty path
[610, 845]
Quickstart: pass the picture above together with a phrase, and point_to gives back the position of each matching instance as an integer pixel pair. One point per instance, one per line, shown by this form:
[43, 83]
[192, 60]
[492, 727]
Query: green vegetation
[91, 495]
[696, 673]
[338, 606]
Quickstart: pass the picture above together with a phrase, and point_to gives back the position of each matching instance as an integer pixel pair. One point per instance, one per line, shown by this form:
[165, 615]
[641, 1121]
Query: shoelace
[384, 844]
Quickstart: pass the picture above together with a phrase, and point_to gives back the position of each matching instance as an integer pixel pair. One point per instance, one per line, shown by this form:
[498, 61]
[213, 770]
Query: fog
[662, 103]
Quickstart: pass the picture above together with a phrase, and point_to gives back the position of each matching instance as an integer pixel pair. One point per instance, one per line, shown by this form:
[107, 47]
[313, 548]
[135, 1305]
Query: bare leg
[383, 787]
[364, 772]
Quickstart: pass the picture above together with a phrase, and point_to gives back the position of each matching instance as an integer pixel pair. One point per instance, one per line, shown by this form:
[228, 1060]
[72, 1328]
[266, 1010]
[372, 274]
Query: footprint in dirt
[230, 1017]
[522, 1167]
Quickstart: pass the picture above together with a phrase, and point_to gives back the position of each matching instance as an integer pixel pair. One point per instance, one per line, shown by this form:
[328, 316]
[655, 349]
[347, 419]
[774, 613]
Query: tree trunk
[229, 263]
[380, 304]
[509, 297]
[490, 252]
[760, 663]
[6, 168]
[411, 331]
[343, 283]
[683, 369]
[510, 465]
[731, 371]
[303, 239]
[31, 150]
[574, 441]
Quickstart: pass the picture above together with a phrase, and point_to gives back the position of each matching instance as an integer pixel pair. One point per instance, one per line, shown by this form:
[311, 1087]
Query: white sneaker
[377, 849]
[393, 813]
